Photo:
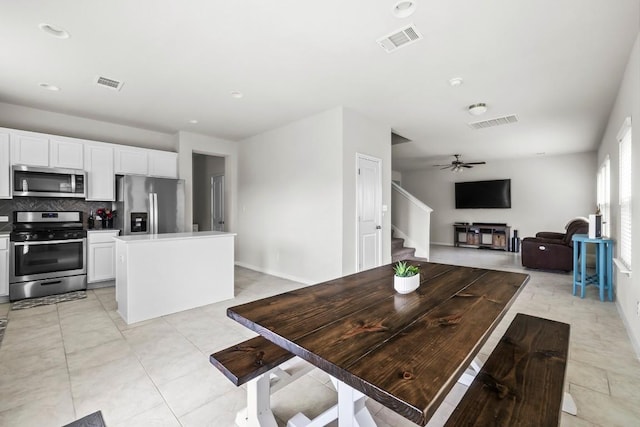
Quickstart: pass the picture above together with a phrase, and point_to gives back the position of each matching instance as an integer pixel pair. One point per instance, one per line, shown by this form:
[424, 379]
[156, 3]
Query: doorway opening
[208, 193]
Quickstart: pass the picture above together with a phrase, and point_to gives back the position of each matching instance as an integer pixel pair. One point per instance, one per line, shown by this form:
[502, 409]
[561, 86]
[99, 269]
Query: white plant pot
[405, 285]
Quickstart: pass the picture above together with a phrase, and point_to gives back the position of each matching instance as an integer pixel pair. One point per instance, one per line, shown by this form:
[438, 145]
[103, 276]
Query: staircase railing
[411, 220]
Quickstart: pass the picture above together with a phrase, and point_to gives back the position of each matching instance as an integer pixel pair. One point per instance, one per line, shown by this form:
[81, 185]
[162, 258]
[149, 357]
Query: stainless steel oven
[47, 254]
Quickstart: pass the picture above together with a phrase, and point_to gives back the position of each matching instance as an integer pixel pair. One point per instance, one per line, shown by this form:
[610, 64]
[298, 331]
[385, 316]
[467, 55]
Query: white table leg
[569, 405]
[467, 377]
[346, 410]
[352, 411]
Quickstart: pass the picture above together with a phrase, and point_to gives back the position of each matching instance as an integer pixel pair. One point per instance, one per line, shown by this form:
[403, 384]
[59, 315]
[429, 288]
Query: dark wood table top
[405, 351]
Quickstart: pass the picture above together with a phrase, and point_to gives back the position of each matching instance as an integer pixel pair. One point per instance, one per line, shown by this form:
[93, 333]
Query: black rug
[91, 420]
[51, 299]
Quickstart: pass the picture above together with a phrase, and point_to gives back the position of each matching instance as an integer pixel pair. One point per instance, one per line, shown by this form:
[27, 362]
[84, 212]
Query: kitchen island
[159, 274]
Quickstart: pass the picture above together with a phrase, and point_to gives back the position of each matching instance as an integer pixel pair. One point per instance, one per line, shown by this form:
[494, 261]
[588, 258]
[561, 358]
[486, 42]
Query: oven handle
[47, 242]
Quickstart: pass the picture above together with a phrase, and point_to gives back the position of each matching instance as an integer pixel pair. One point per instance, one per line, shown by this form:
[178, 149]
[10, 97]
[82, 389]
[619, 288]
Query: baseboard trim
[279, 274]
[634, 343]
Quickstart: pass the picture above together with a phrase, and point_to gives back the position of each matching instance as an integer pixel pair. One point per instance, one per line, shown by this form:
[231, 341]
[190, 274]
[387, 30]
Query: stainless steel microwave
[32, 181]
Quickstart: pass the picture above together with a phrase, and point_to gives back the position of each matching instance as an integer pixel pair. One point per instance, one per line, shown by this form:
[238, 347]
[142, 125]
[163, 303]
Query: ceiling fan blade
[475, 163]
[445, 167]
[466, 165]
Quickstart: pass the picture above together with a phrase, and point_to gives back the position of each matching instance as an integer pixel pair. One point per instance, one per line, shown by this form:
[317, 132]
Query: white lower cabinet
[101, 258]
[4, 266]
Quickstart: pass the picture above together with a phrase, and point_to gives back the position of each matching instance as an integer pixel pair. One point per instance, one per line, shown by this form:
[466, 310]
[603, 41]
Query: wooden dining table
[406, 351]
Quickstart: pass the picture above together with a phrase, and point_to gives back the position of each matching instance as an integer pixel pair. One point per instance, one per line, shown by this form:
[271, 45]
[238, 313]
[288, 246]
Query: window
[604, 195]
[624, 136]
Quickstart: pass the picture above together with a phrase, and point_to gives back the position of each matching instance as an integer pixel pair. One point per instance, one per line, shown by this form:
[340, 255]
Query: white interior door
[369, 211]
[217, 203]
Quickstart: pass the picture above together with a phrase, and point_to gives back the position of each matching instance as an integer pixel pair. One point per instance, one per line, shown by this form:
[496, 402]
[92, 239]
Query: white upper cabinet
[31, 150]
[66, 153]
[98, 163]
[131, 161]
[163, 164]
[5, 167]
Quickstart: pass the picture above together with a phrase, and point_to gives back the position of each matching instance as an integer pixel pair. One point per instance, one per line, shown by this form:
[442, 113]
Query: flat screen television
[494, 194]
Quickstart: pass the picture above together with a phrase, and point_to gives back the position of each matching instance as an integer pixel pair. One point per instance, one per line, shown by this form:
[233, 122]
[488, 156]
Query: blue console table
[603, 277]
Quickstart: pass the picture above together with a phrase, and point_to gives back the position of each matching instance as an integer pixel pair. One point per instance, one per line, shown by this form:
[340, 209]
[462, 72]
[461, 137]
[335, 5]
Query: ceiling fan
[457, 165]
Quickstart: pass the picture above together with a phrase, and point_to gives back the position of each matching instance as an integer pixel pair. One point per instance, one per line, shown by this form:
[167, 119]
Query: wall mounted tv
[494, 194]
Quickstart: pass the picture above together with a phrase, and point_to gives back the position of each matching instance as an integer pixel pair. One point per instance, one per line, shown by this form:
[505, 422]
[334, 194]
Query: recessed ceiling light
[193, 121]
[49, 87]
[456, 81]
[236, 94]
[54, 31]
[477, 109]
[404, 8]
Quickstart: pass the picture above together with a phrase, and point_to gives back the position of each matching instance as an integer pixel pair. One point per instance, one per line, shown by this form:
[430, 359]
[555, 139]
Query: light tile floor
[62, 362]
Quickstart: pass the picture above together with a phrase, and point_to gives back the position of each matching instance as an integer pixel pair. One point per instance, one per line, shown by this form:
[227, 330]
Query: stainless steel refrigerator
[149, 205]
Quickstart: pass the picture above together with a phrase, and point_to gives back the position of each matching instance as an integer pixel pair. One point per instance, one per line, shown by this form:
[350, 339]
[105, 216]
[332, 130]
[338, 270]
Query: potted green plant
[406, 278]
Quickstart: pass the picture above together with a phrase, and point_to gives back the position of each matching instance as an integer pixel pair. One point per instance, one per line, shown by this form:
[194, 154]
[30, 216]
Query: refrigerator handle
[155, 213]
[152, 211]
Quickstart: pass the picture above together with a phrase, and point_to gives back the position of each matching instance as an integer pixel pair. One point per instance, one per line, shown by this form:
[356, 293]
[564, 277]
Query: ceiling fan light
[404, 8]
[477, 109]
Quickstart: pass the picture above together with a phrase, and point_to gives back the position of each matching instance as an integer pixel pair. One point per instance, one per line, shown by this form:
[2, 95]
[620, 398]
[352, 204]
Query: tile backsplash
[7, 207]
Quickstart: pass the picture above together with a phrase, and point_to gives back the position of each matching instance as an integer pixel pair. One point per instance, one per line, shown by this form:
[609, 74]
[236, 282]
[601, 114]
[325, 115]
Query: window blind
[604, 195]
[625, 194]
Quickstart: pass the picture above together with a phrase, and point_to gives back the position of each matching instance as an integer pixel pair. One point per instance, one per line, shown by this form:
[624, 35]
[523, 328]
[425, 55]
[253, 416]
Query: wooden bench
[265, 368]
[249, 359]
[522, 382]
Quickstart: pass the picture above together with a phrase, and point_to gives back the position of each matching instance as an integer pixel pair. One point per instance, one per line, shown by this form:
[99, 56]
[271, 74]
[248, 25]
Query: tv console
[482, 235]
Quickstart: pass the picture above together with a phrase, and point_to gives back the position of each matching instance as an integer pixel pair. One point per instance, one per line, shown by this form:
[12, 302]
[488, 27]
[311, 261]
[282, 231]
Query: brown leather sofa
[550, 250]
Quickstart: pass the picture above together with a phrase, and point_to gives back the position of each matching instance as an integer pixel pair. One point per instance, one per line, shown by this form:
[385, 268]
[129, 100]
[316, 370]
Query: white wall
[545, 193]
[32, 119]
[189, 143]
[290, 199]
[364, 136]
[627, 105]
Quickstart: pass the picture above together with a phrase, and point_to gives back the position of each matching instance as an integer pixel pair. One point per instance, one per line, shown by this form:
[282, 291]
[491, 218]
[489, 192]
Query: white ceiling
[556, 64]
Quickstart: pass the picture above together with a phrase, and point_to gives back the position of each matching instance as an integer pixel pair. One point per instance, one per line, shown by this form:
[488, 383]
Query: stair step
[402, 253]
[396, 243]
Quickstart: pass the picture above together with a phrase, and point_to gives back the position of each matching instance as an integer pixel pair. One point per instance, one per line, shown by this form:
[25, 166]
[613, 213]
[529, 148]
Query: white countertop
[103, 230]
[172, 236]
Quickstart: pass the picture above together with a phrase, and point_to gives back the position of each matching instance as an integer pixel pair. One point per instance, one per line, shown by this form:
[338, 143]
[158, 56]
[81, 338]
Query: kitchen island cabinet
[159, 274]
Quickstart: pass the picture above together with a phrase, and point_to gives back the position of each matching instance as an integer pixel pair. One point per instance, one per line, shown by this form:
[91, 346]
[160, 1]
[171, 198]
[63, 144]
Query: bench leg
[569, 405]
[258, 412]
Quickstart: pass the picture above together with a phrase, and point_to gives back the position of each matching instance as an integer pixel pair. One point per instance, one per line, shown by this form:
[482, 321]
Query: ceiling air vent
[498, 121]
[110, 83]
[400, 38]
